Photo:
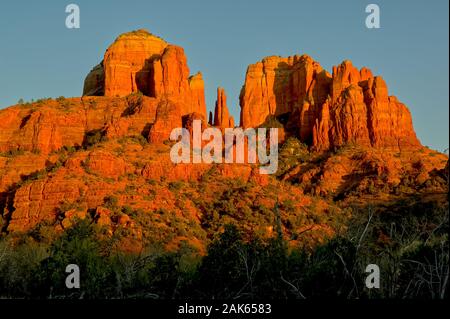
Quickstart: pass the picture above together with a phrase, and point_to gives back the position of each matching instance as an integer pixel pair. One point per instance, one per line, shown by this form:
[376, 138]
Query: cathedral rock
[138, 61]
[325, 110]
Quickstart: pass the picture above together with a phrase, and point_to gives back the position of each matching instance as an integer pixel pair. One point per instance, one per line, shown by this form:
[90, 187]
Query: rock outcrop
[222, 118]
[49, 125]
[46, 126]
[138, 61]
[168, 117]
[323, 110]
[128, 63]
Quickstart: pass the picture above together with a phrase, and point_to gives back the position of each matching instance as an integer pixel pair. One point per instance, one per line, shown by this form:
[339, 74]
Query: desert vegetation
[409, 242]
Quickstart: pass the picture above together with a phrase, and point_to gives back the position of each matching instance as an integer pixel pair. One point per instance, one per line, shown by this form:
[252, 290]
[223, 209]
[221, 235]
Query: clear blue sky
[40, 57]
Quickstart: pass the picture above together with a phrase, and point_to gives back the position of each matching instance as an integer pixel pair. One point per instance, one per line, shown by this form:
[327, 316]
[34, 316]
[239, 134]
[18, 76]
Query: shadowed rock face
[323, 110]
[94, 84]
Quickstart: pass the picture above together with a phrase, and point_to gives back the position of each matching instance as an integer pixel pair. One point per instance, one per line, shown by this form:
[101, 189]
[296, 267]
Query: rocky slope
[105, 155]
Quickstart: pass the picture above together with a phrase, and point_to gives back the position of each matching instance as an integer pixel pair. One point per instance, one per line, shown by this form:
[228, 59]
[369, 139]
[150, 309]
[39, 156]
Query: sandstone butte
[222, 116]
[323, 110]
[75, 152]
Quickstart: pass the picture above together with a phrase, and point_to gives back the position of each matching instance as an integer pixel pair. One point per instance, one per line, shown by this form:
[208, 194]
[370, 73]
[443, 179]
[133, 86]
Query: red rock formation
[261, 95]
[135, 119]
[171, 79]
[47, 126]
[127, 62]
[36, 202]
[141, 62]
[390, 121]
[351, 106]
[197, 95]
[222, 117]
[321, 127]
[279, 85]
[188, 122]
[168, 117]
[44, 127]
[105, 164]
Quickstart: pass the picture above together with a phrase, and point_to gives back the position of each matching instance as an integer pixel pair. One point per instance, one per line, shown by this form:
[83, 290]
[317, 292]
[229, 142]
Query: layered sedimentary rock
[222, 118]
[141, 62]
[197, 95]
[168, 117]
[46, 126]
[279, 86]
[128, 62]
[136, 119]
[137, 62]
[323, 110]
[170, 78]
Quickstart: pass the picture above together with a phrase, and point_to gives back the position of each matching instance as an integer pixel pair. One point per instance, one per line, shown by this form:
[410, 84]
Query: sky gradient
[40, 57]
